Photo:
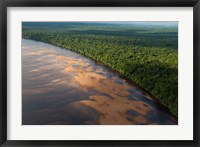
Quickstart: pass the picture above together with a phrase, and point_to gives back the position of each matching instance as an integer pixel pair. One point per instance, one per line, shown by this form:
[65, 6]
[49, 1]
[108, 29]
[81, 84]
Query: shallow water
[61, 87]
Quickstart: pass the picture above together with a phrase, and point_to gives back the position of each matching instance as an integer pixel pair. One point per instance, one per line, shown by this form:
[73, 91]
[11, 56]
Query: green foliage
[146, 55]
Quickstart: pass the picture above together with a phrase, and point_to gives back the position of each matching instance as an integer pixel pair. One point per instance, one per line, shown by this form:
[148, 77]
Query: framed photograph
[99, 73]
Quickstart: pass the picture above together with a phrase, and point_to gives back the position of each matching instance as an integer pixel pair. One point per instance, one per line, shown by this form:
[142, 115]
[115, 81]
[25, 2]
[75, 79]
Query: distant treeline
[148, 55]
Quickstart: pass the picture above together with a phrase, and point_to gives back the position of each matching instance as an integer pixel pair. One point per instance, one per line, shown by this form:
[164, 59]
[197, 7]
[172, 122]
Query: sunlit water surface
[61, 87]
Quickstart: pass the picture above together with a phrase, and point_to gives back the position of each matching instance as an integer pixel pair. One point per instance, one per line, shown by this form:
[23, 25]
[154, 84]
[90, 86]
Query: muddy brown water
[61, 87]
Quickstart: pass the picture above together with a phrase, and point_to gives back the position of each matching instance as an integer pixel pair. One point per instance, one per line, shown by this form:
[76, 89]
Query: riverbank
[68, 88]
[150, 61]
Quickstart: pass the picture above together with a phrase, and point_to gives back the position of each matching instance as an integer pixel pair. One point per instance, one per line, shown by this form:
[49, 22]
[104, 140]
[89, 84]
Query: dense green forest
[146, 54]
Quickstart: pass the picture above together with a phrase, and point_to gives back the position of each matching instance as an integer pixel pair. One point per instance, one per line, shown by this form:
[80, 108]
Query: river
[61, 87]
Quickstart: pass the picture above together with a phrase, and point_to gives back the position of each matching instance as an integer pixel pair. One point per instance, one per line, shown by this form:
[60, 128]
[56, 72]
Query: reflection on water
[60, 87]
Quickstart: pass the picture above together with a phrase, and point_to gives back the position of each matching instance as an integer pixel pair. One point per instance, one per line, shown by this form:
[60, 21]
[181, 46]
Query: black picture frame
[97, 3]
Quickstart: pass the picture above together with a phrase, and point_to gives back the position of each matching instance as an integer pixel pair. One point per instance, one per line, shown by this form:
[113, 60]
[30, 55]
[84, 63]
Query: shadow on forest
[133, 33]
[161, 79]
